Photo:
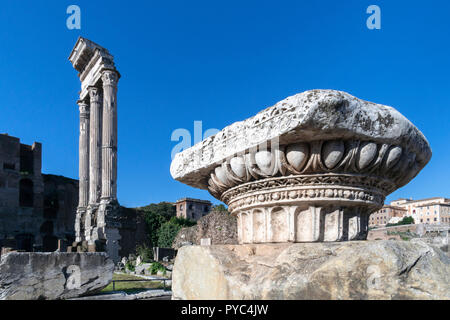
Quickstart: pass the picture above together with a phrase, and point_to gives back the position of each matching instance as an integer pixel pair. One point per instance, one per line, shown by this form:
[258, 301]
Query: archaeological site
[243, 154]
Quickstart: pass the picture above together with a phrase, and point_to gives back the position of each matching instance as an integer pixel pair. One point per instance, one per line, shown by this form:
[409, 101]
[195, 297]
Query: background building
[434, 210]
[383, 216]
[35, 209]
[192, 209]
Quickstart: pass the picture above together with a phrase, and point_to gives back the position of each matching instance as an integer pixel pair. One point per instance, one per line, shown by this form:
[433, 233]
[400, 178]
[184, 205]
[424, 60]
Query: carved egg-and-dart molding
[311, 168]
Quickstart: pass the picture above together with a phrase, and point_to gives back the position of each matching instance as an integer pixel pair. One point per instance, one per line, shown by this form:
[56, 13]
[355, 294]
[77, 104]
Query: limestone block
[33, 276]
[323, 271]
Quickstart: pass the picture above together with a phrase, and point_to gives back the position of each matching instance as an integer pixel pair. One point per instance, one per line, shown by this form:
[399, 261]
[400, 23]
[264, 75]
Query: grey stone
[33, 276]
[337, 271]
[142, 268]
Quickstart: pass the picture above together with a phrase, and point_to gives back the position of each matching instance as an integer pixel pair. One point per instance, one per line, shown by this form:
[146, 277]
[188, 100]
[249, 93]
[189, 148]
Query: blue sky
[219, 62]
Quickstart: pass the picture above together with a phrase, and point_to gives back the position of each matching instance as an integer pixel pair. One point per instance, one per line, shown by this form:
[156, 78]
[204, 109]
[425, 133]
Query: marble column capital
[110, 77]
[84, 107]
[95, 94]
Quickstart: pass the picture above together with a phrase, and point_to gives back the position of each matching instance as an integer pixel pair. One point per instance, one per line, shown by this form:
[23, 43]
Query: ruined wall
[21, 193]
[219, 226]
[60, 205]
[133, 231]
[35, 209]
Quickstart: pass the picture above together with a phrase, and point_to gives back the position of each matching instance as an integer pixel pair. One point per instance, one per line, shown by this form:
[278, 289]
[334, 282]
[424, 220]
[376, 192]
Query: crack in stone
[407, 269]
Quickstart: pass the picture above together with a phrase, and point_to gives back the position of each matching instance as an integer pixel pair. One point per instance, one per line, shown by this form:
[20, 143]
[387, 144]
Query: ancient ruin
[37, 210]
[302, 178]
[98, 209]
[312, 168]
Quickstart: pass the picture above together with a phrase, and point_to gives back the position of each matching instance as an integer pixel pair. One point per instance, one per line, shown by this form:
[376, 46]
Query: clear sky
[219, 62]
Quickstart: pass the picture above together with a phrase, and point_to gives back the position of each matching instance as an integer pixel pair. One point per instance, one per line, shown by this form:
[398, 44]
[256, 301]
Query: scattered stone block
[351, 270]
[56, 275]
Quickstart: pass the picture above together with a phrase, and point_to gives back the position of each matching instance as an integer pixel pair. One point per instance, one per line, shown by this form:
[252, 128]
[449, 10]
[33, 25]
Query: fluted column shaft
[83, 169]
[95, 146]
[109, 138]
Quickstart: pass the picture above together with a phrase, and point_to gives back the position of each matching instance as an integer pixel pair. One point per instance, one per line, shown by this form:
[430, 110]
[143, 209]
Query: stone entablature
[311, 168]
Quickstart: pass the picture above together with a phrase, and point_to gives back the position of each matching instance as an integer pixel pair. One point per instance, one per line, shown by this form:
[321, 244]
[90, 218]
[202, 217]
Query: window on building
[435, 219]
[26, 193]
[9, 166]
[205, 209]
[190, 207]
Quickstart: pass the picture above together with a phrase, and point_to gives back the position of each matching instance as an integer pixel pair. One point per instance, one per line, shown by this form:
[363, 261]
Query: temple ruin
[96, 226]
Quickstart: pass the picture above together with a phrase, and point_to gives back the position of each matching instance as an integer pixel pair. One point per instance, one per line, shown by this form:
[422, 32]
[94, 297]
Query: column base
[108, 225]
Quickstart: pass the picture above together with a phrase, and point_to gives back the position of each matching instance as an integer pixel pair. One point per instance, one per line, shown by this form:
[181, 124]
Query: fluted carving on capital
[110, 78]
[95, 94]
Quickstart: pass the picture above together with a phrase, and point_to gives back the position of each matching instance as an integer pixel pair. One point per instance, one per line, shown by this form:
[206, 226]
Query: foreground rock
[32, 276]
[346, 270]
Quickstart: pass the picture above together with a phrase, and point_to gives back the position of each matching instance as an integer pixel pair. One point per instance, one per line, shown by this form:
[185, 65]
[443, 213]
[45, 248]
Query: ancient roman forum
[311, 168]
[96, 226]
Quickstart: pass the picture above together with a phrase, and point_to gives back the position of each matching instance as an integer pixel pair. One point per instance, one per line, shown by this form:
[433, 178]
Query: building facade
[192, 209]
[36, 210]
[434, 210]
[386, 214]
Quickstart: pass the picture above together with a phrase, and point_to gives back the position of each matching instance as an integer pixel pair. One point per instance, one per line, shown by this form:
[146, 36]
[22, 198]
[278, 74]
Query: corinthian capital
[83, 106]
[110, 78]
[94, 94]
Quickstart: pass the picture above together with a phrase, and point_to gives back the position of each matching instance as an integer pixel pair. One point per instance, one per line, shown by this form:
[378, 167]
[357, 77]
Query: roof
[426, 199]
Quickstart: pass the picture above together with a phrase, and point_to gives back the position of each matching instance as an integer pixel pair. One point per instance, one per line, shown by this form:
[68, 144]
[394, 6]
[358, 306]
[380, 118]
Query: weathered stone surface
[311, 168]
[346, 270]
[311, 115]
[32, 276]
[218, 226]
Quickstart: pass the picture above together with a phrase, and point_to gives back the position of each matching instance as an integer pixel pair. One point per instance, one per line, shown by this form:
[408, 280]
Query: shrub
[155, 267]
[145, 252]
[129, 266]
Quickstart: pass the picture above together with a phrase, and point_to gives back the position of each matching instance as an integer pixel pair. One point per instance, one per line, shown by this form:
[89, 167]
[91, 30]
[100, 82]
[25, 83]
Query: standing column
[94, 158]
[83, 190]
[95, 146]
[84, 155]
[109, 138]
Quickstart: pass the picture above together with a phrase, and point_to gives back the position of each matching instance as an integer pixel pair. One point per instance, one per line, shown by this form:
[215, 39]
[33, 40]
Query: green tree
[406, 220]
[169, 230]
[155, 215]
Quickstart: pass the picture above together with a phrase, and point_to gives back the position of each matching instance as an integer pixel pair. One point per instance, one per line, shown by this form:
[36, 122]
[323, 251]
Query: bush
[155, 267]
[129, 266]
[404, 221]
[145, 252]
